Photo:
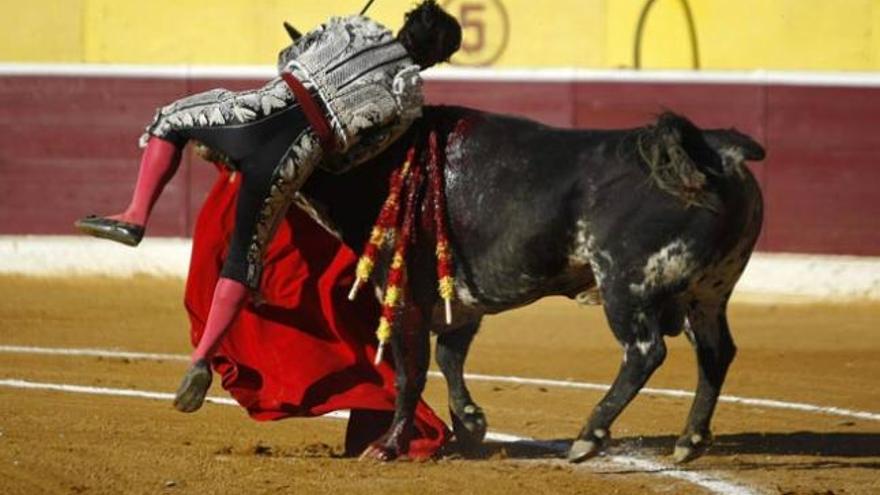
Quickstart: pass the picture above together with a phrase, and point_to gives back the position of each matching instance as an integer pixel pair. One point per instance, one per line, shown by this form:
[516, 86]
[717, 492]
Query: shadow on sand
[821, 450]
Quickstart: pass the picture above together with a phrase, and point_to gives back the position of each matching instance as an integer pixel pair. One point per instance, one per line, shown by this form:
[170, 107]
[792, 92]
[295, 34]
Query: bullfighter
[344, 93]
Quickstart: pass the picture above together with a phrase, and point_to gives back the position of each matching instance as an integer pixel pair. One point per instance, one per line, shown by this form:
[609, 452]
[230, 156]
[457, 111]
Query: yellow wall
[42, 30]
[743, 34]
[740, 34]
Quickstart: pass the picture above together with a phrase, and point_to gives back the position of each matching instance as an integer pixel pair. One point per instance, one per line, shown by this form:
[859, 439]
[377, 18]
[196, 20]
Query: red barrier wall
[68, 146]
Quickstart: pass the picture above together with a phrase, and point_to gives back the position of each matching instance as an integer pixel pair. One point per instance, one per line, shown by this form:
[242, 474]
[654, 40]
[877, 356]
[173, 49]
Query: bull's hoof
[379, 452]
[391, 445]
[588, 446]
[469, 426]
[192, 391]
[690, 446]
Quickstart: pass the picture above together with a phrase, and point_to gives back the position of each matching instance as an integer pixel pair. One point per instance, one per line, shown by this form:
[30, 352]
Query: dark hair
[429, 34]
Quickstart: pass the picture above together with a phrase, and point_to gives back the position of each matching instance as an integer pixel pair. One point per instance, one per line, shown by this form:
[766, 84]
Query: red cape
[308, 350]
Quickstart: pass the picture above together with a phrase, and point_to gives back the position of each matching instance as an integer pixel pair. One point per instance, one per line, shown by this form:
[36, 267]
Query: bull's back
[514, 196]
[525, 200]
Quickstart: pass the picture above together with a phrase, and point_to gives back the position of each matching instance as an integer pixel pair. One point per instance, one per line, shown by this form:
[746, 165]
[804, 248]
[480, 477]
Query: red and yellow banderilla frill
[390, 224]
[385, 225]
[445, 281]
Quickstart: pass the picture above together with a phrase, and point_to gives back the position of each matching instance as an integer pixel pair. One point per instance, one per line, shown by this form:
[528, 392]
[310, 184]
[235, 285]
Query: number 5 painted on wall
[485, 30]
[468, 15]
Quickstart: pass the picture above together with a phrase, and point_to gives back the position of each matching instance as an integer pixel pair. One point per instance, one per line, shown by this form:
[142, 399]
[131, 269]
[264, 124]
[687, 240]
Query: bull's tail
[734, 148]
[681, 157]
[732, 141]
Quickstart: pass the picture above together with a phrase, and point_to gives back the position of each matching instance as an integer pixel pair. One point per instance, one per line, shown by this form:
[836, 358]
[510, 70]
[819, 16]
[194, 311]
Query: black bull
[656, 222]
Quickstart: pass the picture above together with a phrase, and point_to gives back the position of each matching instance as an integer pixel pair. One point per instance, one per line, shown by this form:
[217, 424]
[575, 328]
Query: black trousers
[256, 149]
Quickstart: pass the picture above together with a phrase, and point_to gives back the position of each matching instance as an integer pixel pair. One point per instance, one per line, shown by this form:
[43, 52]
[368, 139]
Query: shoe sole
[191, 398]
[105, 234]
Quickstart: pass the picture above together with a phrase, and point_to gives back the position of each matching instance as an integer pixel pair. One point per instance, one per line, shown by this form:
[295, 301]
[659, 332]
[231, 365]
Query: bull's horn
[292, 32]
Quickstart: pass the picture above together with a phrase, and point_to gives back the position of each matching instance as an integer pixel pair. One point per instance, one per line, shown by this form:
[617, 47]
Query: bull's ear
[292, 32]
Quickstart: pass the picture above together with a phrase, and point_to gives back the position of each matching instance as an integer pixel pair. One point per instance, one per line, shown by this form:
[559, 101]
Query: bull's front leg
[637, 328]
[468, 420]
[410, 346]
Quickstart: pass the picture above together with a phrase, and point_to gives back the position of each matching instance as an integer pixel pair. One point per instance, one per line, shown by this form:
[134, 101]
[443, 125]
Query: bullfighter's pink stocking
[159, 162]
[228, 298]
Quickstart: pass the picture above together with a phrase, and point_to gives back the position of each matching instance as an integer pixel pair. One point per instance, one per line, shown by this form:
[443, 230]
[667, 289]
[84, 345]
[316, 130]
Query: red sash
[316, 117]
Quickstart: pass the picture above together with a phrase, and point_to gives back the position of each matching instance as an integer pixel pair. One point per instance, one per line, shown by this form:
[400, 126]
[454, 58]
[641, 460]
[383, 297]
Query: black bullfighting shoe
[192, 391]
[106, 228]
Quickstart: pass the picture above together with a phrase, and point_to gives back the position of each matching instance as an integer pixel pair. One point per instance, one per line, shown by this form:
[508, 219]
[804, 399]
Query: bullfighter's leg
[159, 163]
[637, 327]
[210, 115]
[709, 333]
[411, 348]
[468, 420]
[263, 199]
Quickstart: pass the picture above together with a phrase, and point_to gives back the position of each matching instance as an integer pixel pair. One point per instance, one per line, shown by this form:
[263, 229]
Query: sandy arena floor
[63, 442]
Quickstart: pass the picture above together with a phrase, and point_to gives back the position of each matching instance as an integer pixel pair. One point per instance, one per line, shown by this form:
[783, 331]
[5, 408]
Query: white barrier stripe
[649, 467]
[541, 382]
[681, 394]
[102, 353]
[537, 74]
[770, 278]
[703, 480]
[121, 392]
[83, 389]
[800, 406]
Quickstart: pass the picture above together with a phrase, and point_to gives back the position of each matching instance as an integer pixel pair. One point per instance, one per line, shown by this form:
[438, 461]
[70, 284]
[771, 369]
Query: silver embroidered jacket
[370, 87]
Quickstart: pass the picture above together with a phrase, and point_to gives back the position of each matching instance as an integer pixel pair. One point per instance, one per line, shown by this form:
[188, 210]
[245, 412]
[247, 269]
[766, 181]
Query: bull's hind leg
[468, 420]
[638, 328]
[411, 348]
[710, 335]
